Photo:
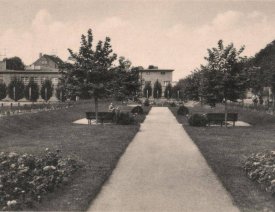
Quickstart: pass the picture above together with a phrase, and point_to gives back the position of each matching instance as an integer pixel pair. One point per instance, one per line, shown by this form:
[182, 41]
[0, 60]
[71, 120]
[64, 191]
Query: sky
[170, 34]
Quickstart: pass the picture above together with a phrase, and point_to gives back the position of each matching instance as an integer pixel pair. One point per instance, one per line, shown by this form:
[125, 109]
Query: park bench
[220, 117]
[102, 116]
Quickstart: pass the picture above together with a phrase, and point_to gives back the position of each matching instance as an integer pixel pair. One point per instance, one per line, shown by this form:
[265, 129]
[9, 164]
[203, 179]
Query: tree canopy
[14, 63]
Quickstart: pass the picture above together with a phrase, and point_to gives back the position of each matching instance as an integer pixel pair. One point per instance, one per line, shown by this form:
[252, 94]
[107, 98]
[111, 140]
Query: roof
[54, 58]
[156, 70]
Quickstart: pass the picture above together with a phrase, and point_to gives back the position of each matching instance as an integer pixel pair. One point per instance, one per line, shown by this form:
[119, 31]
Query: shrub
[173, 104]
[146, 102]
[197, 120]
[137, 109]
[47, 90]
[157, 91]
[16, 89]
[24, 179]
[60, 92]
[33, 89]
[3, 90]
[124, 118]
[260, 167]
[183, 110]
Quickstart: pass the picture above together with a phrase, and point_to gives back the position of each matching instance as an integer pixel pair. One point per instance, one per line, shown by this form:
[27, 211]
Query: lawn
[98, 147]
[226, 150]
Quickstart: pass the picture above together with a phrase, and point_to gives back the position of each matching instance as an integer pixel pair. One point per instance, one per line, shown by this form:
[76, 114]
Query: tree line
[227, 75]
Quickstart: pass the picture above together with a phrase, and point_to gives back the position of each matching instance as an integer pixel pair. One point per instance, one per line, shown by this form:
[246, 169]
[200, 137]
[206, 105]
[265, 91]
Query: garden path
[162, 170]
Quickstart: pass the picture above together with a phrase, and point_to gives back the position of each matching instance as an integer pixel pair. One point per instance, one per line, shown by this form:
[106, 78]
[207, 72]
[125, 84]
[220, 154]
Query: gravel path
[162, 170]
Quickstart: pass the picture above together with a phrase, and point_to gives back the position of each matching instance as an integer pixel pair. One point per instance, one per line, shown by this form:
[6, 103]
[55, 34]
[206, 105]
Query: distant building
[45, 67]
[153, 73]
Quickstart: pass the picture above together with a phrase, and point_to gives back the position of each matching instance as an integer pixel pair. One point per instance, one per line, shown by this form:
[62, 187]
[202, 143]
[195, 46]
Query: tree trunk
[225, 112]
[96, 109]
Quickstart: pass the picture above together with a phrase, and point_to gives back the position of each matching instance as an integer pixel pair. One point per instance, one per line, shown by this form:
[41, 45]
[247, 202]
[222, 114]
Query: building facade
[46, 67]
[153, 73]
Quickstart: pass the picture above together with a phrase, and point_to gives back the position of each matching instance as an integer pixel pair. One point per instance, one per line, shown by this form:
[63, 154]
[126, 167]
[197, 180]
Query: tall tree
[91, 76]
[223, 74]
[168, 91]
[157, 92]
[32, 91]
[46, 90]
[14, 63]
[147, 90]
[3, 90]
[16, 89]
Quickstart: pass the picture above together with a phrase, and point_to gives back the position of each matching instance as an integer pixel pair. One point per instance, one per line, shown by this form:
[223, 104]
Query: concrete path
[162, 170]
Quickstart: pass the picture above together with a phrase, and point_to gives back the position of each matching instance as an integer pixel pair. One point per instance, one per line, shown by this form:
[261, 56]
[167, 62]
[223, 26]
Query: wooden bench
[102, 116]
[220, 117]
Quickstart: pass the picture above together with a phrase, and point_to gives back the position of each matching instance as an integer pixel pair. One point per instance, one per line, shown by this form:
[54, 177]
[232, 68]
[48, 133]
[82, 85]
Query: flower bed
[260, 167]
[25, 179]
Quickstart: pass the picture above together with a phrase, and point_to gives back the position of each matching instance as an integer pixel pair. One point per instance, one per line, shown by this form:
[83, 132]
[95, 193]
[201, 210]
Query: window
[44, 62]
[166, 83]
[162, 73]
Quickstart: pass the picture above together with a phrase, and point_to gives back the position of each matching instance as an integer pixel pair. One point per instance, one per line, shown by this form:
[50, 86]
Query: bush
[260, 167]
[16, 89]
[33, 89]
[146, 102]
[197, 120]
[173, 104]
[137, 109]
[24, 179]
[46, 90]
[183, 110]
[124, 118]
[3, 90]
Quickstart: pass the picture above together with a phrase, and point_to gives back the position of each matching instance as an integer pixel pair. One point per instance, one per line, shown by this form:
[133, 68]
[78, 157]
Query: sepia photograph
[137, 105]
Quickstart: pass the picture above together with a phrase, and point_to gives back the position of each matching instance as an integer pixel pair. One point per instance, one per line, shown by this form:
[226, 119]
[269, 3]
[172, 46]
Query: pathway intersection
[162, 170]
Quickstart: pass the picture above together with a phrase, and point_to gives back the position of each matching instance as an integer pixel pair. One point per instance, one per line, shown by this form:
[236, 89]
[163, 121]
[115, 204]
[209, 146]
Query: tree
[32, 91]
[126, 80]
[273, 91]
[223, 75]
[46, 90]
[16, 89]
[3, 90]
[168, 91]
[61, 92]
[90, 76]
[147, 90]
[14, 63]
[157, 92]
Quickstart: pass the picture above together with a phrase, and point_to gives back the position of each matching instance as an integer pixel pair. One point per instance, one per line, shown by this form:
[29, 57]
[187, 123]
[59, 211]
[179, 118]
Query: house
[45, 67]
[153, 73]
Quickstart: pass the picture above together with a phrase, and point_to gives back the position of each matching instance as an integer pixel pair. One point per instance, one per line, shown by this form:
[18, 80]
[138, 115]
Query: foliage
[14, 63]
[34, 89]
[146, 102]
[60, 92]
[183, 110]
[260, 167]
[126, 80]
[197, 120]
[137, 110]
[168, 91]
[16, 89]
[147, 90]
[3, 90]
[90, 76]
[46, 90]
[124, 118]
[157, 92]
[172, 104]
[25, 179]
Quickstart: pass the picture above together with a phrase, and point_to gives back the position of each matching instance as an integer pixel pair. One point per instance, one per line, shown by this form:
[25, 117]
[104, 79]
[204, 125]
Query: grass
[98, 147]
[226, 150]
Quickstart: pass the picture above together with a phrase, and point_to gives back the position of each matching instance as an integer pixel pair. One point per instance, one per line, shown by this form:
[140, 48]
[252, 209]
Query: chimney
[40, 55]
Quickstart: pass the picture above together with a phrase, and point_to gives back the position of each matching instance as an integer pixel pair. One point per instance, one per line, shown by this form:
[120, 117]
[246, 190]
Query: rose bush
[24, 179]
[260, 167]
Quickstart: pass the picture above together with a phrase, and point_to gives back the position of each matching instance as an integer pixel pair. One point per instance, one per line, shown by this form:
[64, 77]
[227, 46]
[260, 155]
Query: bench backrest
[221, 116]
[104, 115]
